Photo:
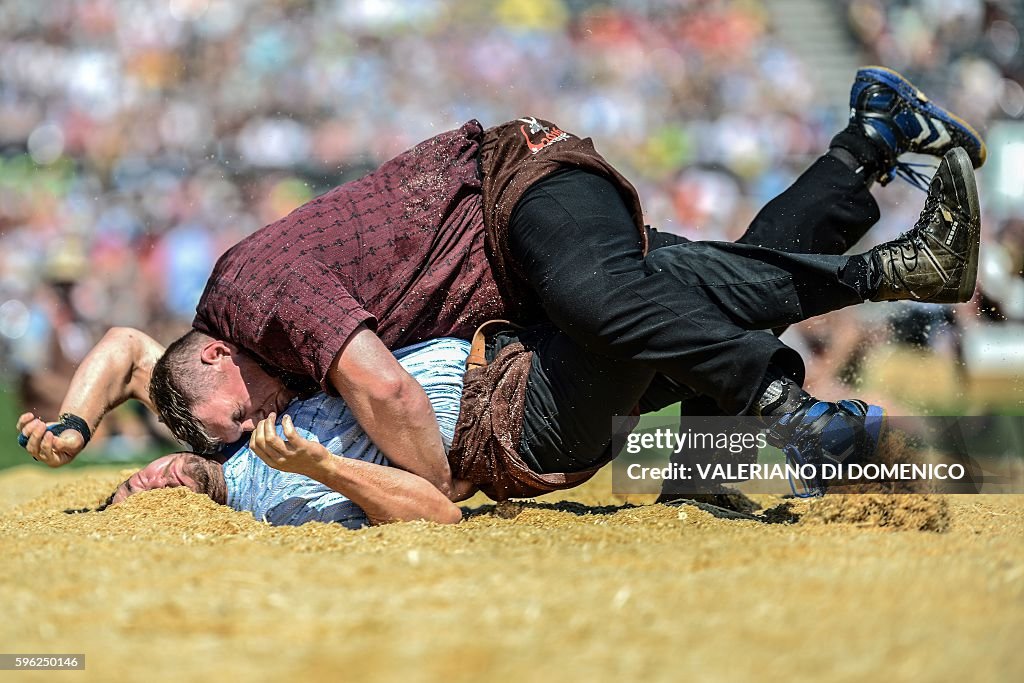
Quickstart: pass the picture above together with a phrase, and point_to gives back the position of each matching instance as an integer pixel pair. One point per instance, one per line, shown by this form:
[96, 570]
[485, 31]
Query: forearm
[118, 368]
[405, 429]
[384, 493]
[391, 407]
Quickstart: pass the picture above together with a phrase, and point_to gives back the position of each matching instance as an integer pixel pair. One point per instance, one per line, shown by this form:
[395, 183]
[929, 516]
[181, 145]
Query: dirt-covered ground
[171, 587]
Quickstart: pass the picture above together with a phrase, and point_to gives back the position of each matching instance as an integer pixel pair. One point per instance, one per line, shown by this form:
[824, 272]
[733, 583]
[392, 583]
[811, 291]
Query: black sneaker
[937, 261]
[819, 432]
[899, 118]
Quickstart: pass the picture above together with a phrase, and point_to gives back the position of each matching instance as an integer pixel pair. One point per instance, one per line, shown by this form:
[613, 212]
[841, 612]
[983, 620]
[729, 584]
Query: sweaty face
[166, 472]
[243, 395]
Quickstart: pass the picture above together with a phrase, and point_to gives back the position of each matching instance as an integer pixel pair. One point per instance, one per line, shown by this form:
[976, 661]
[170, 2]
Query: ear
[215, 351]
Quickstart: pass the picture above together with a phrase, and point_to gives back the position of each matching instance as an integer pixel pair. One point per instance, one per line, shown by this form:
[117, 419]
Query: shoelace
[810, 489]
[909, 173]
[908, 246]
[910, 260]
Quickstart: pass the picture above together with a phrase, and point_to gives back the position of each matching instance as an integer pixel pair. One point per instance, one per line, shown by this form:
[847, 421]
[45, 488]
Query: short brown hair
[178, 383]
[198, 468]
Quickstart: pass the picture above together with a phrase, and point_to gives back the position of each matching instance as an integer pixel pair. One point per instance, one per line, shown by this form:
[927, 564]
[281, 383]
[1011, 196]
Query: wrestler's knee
[684, 262]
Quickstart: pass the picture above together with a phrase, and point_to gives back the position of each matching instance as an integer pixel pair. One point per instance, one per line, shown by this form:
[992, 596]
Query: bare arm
[391, 407]
[384, 493]
[118, 368]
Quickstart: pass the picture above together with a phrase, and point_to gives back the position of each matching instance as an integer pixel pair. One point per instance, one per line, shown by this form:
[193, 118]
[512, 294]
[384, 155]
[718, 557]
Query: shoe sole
[967, 192]
[911, 92]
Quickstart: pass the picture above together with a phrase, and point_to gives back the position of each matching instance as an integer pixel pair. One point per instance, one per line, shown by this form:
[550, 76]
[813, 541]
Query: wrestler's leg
[826, 210]
[690, 310]
[687, 310]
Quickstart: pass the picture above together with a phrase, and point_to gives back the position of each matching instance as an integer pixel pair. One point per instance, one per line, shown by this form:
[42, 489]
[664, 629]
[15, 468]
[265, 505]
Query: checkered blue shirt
[286, 498]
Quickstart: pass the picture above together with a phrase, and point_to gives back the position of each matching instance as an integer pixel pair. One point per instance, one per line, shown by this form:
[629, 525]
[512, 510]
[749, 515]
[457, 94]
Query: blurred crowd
[140, 138]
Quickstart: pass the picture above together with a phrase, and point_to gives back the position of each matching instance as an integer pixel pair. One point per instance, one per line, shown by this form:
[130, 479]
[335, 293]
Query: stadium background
[139, 139]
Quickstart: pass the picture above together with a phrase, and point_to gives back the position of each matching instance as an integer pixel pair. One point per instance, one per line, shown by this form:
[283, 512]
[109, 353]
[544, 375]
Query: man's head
[178, 469]
[209, 392]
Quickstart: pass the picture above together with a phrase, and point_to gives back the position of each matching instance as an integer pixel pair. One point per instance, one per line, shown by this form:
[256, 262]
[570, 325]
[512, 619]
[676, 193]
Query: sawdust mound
[180, 510]
[176, 513]
[908, 512]
[906, 505]
[895, 448]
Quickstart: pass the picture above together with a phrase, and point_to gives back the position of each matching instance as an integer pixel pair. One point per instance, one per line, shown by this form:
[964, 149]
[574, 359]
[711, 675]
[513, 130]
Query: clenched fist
[47, 448]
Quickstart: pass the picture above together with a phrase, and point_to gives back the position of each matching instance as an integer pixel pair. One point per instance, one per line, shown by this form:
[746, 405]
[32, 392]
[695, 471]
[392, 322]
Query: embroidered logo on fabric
[551, 134]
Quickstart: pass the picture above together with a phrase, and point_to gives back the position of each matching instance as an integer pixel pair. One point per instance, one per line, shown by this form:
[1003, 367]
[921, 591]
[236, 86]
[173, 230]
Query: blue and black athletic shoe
[819, 432]
[899, 118]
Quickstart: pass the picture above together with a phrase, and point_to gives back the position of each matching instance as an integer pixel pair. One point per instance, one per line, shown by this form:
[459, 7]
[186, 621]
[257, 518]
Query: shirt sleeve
[297, 321]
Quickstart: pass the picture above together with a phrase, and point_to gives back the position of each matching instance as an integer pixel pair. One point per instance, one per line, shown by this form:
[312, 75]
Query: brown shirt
[401, 249]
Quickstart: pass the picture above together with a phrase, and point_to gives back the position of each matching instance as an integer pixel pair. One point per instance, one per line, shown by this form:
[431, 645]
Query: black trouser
[688, 318]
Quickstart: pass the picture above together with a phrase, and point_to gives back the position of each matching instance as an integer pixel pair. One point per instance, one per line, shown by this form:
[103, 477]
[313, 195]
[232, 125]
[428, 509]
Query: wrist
[319, 467]
[72, 421]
